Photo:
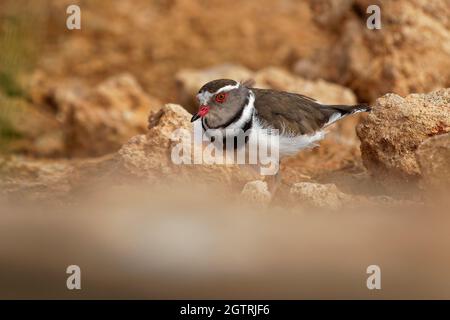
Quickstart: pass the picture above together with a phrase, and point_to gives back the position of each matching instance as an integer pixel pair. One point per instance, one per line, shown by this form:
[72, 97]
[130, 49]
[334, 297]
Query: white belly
[287, 143]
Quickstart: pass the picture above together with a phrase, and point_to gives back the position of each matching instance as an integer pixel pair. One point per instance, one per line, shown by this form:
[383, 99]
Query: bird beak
[201, 113]
[195, 117]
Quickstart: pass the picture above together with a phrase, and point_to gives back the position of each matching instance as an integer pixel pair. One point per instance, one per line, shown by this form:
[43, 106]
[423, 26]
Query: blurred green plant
[8, 131]
[20, 31]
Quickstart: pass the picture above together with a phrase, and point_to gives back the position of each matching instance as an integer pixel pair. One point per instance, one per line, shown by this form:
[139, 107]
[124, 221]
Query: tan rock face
[115, 111]
[256, 192]
[34, 179]
[145, 158]
[433, 156]
[395, 128]
[98, 120]
[409, 54]
[150, 156]
[317, 195]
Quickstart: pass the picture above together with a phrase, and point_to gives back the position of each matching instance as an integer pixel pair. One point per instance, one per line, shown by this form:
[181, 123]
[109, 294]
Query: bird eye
[220, 97]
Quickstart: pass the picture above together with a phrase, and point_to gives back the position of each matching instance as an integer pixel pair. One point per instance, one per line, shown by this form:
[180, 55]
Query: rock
[144, 158]
[25, 178]
[114, 111]
[309, 194]
[256, 192]
[402, 57]
[433, 157]
[149, 156]
[327, 196]
[326, 92]
[393, 131]
[98, 120]
[196, 39]
[329, 13]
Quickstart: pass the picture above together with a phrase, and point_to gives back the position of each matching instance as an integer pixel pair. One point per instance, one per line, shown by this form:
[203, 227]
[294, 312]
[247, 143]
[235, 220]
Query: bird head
[220, 101]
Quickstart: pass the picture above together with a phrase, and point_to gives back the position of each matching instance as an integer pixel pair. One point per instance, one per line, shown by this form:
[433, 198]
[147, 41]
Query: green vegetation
[9, 85]
[8, 132]
[20, 27]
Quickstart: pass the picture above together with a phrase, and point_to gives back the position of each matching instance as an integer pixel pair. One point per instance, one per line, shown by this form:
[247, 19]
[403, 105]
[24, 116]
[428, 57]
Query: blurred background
[74, 107]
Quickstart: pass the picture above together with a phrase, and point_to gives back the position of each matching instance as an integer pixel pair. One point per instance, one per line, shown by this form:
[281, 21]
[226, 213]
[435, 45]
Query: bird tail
[345, 110]
[337, 112]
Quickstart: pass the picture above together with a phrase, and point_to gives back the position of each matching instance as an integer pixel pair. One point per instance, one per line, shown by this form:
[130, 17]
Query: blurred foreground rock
[393, 131]
[98, 120]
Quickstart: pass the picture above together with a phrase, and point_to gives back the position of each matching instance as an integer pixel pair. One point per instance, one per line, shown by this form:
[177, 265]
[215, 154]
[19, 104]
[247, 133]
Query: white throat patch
[245, 117]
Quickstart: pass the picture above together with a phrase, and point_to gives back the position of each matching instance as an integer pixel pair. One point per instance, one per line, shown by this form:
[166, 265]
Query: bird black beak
[195, 117]
[201, 112]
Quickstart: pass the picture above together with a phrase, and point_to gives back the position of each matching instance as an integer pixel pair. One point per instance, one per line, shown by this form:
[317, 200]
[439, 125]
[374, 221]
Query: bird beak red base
[201, 113]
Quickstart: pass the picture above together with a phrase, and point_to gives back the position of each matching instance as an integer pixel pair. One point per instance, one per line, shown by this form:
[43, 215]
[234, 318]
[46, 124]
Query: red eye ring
[220, 97]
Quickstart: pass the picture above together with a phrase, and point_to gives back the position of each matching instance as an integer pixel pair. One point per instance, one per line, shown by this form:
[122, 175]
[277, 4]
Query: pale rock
[393, 131]
[98, 120]
[409, 54]
[433, 157]
[309, 194]
[149, 155]
[256, 192]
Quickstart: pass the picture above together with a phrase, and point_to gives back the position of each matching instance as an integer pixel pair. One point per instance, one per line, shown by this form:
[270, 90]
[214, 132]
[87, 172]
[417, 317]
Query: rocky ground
[84, 108]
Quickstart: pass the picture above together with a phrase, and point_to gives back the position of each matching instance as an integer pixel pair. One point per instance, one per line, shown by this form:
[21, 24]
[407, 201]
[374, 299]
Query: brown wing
[292, 112]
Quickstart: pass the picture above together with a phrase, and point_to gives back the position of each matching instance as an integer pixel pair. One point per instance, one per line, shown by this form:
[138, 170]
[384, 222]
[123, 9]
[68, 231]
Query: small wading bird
[300, 120]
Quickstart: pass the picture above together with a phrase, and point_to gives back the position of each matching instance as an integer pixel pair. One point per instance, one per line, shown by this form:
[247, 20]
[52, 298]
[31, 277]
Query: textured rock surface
[149, 155]
[326, 92]
[433, 156]
[403, 57]
[98, 120]
[256, 192]
[34, 179]
[145, 157]
[196, 39]
[310, 194]
[328, 196]
[395, 128]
